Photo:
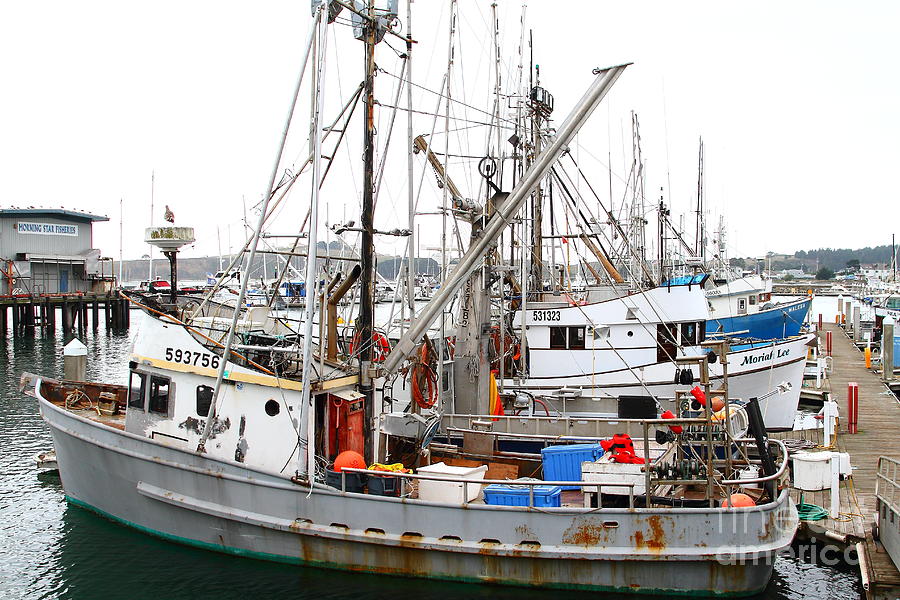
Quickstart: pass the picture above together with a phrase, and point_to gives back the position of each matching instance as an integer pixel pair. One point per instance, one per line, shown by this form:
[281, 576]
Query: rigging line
[380, 171]
[569, 196]
[604, 164]
[428, 114]
[451, 100]
[253, 242]
[594, 326]
[271, 211]
[613, 221]
[352, 104]
[659, 313]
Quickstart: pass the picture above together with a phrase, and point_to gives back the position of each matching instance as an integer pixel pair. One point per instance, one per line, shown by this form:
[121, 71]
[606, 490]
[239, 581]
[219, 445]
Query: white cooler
[450, 492]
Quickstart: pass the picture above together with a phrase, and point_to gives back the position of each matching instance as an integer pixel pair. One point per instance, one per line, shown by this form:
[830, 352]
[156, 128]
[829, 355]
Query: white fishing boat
[584, 358]
[231, 442]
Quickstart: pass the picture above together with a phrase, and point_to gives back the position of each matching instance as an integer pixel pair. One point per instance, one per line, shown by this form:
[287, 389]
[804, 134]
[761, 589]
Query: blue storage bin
[563, 463]
[517, 495]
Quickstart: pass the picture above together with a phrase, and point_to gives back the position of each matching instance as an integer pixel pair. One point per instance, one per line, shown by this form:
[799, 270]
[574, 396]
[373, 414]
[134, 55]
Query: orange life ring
[381, 347]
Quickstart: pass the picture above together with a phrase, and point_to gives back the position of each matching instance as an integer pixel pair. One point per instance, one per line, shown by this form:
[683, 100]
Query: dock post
[75, 360]
[117, 314]
[819, 328]
[15, 318]
[83, 307]
[107, 313]
[857, 334]
[852, 407]
[887, 349]
[840, 304]
[3, 320]
[847, 320]
[95, 310]
[835, 464]
[66, 317]
[51, 316]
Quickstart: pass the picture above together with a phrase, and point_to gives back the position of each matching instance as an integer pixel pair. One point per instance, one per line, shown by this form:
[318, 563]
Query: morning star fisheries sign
[46, 228]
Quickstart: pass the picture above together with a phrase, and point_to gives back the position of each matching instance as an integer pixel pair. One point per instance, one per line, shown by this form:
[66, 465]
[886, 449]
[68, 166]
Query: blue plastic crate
[517, 495]
[563, 463]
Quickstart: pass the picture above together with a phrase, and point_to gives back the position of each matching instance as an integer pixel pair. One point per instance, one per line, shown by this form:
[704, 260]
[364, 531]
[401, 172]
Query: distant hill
[196, 268]
[835, 259]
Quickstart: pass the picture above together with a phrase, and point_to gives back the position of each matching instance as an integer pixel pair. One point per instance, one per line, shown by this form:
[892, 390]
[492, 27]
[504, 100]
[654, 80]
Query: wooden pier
[27, 313]
[878, 434]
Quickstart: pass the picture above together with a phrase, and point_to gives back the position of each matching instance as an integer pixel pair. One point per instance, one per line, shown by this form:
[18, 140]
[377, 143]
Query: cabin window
[689, 334]
[204, 400]
[576, 338]
[742, 306]
[558, 338]
[137, 386]
[752, 300]
[666, 341]
[567, 337]
[159, 394]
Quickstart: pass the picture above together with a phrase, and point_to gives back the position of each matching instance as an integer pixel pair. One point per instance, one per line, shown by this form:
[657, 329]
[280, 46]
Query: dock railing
[887, 486]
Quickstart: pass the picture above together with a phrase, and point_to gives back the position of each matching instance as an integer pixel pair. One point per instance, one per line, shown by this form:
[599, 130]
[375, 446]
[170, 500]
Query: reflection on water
[51, 550]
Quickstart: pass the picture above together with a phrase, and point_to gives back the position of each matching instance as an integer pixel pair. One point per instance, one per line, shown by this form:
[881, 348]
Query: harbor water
[49, 549]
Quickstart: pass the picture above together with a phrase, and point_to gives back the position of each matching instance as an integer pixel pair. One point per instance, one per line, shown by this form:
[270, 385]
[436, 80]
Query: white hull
[751, 374]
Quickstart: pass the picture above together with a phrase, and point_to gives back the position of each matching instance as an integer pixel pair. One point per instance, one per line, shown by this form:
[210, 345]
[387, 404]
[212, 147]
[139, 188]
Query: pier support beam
[15, 318]
[95, 310]
[857, 334]
[66, 318]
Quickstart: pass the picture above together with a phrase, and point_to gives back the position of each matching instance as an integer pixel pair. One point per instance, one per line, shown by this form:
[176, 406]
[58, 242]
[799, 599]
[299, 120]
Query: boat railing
[589, 486]
[887, 482]
[530, 483]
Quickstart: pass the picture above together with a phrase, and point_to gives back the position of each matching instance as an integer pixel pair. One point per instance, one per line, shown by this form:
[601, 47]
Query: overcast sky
[797, 104]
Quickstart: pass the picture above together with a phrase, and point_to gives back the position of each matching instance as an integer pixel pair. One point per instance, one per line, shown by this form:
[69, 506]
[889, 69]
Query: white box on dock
[812, 470]
[450, 492]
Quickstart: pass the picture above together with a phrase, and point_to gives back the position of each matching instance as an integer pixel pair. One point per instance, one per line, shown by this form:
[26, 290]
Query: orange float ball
[717, 404]
[739, 501]
[348, 459]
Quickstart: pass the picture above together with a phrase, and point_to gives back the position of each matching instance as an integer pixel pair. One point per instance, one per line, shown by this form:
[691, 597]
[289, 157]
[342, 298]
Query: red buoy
[348, 459]
[738, 501]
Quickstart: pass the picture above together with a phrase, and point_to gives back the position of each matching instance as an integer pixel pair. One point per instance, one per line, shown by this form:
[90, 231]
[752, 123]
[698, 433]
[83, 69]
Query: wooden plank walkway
[878, 435]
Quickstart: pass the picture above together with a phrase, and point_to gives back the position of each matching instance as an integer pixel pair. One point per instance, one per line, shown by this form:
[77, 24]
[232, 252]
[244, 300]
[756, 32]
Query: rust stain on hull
[585, 533]
[656, 540]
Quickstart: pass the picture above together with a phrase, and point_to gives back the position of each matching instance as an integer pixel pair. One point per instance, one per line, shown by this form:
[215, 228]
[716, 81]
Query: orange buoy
[717, 404]
[738, 501]
[348, 459]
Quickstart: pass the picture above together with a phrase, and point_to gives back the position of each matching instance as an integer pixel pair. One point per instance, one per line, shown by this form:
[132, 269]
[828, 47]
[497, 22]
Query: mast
[121, 251]
[537, 207]
[152, 183]
[470, 261]
[307, 400]
[700, 234]
[367, 251]
[411, 265]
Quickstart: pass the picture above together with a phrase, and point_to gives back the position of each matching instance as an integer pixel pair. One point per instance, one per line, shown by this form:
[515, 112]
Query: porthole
[272, 408]
[630, 334]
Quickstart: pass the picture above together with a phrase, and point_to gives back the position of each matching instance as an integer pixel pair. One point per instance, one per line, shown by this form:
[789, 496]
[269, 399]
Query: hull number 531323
[546, 315]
